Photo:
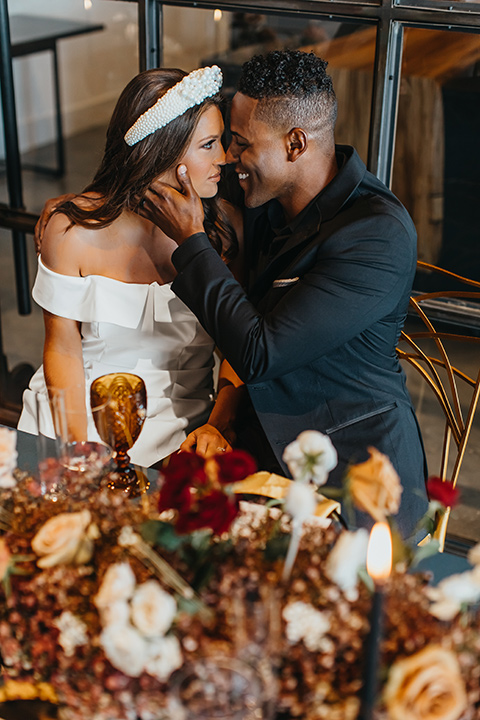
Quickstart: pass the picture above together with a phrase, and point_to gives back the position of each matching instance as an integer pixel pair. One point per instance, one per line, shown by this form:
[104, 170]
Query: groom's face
[258, 151]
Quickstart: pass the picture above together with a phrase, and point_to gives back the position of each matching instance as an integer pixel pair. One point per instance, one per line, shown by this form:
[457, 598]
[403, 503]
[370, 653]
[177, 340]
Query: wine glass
[119, 409]
[221, 688]
[68, 464]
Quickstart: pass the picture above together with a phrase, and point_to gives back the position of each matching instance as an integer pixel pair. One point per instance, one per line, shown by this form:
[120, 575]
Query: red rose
[442, 491]
[185, 466]
[235, 465]
[216, 511]
[175, 495]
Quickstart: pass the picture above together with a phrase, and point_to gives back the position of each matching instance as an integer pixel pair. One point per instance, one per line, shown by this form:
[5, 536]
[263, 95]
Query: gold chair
[442, 377]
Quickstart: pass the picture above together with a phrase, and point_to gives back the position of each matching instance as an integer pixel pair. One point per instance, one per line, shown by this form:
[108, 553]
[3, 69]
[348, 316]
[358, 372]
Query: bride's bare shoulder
[64, 243]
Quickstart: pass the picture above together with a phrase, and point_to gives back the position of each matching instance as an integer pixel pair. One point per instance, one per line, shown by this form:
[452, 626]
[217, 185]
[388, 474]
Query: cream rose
[65, 539]
[152, 609]
[118, 584]
[375, 487]
[426, 686]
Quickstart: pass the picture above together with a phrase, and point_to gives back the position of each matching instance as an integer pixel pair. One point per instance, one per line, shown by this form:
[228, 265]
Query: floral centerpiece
[107, 602]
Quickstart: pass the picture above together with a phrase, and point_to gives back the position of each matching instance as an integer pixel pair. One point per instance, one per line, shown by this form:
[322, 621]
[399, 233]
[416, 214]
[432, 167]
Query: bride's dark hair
[125, 172]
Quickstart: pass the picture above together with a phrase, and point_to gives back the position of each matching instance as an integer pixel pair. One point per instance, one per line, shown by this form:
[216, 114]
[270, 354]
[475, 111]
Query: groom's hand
[179, 213]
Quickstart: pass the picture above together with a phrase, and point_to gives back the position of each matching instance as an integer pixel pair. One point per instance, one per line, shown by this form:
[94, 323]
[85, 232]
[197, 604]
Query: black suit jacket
[314, 334]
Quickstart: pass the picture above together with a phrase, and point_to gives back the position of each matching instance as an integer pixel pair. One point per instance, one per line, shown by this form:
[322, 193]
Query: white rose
[64, 539]
[345, 560]
[8, 457]
[152, 609]
[126, 649]
[311, 455]
[301, 501]
[453, 592]
[118, 584]
[117, 613]
[164, 657]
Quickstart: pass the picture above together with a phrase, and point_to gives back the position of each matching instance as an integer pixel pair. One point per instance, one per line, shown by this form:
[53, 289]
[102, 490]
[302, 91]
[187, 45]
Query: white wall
[95, 67]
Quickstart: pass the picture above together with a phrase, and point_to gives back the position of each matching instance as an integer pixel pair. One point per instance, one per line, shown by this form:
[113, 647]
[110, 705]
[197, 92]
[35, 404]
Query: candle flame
[379, 552]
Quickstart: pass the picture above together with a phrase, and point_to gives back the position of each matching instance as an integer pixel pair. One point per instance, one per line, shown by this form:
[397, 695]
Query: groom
[330, 260]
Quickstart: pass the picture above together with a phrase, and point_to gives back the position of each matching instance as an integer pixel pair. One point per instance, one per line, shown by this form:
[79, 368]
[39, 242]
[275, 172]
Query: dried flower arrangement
[106, 602]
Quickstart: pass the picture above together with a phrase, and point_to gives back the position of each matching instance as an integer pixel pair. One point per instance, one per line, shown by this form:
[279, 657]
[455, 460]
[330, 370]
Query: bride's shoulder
[60, 249]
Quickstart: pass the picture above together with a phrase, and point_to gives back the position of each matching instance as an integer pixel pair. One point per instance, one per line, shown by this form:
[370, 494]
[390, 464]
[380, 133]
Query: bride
[104, 273]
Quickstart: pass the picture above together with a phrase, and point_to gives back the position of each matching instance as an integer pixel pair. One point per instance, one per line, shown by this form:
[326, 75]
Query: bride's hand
[206, 441]
[178, 213]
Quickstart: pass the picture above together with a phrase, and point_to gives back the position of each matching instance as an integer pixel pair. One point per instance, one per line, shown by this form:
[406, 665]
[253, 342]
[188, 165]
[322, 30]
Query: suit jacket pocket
[360, 418]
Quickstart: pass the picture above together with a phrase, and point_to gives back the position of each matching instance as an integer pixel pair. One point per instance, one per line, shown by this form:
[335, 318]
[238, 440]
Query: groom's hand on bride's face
[179, 213]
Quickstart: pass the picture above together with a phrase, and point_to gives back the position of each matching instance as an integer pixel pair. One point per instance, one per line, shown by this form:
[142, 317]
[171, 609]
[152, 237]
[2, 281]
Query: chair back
[427, 350]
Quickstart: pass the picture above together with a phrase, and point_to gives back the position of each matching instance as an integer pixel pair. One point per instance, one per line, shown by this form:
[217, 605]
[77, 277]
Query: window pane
[437, 151]
[350, 56]
[190, 34]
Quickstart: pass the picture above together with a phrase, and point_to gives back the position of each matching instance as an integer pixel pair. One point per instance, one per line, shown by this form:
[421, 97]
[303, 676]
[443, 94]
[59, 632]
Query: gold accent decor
[276, 487]
[23, 690]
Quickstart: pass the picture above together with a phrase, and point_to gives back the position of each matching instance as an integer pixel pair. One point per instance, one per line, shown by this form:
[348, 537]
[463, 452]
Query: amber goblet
[119, 408]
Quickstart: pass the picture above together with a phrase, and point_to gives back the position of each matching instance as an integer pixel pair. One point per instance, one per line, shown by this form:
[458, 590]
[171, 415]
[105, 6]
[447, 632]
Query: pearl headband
[192, 90]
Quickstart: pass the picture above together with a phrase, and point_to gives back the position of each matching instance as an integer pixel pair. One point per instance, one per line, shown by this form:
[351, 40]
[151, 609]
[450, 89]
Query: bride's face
[204, 156]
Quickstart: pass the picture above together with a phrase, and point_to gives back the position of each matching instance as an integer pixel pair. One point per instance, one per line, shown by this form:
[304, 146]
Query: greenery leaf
[366, 579]
[162, 534]
[425, 551]
[276, 548]
[331, 492]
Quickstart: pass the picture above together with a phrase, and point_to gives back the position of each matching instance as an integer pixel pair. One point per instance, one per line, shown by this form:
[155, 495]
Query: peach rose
[8, 457]
[64, 539]
[5, 558]
[426, 686]
[374, 486]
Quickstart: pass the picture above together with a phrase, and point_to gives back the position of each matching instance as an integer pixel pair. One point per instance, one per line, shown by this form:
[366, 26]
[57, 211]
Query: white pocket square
[283, 282]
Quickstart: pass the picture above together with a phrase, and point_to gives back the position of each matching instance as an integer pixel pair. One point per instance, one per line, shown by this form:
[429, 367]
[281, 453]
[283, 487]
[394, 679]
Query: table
[21, 711]
[33, 34]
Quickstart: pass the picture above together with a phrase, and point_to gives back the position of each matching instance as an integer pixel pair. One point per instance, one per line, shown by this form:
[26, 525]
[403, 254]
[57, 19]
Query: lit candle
[379, 566]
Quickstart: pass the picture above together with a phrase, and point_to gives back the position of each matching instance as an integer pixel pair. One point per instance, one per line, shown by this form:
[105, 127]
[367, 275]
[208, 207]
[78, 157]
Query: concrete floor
[23, 335]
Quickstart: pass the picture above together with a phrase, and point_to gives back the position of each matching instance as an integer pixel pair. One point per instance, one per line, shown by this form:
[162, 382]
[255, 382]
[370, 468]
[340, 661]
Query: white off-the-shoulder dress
[141, 329]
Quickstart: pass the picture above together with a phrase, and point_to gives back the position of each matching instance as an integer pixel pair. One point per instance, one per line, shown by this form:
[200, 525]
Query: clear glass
[66, 463]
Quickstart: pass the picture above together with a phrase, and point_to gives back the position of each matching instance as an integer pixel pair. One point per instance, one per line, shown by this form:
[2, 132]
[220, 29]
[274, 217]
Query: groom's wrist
[189, 248]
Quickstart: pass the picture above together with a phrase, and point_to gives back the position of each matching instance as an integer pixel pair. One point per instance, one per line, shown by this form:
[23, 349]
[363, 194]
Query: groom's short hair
[293, 90]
